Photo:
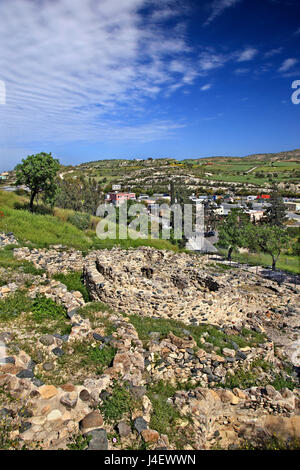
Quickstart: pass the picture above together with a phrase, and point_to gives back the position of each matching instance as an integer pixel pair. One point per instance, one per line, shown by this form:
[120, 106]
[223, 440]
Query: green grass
[80, 359]
[219, 340]
[166, 418]
[117, 404]
[13, 305]
[164, 415]
[102, 358]
[46, 309]
[8, 261]
[270, 443]
[284, 263]
[44, 230]
[79, 442]
[43, 316]
[250, 377]
[94, 312]
[74, 282]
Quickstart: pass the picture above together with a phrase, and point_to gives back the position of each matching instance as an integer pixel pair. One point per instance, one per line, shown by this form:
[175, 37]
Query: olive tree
[38, 173]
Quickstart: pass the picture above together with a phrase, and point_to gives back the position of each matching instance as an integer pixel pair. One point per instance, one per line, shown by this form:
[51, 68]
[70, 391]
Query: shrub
[44, 308]
[80, 220]
[13, 305]
[117, 404]
[74, 281]
[164, 415]
[79, 442]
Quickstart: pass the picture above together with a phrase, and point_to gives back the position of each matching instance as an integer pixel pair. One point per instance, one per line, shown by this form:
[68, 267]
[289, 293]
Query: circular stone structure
[180, 286]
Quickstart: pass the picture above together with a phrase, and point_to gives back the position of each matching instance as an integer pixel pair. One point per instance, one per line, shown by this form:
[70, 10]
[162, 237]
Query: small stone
[68, 387]
[98, 337]
[58, 352]
[84, 395]
[8, 360]
[124, 429]
[48, 391]
[149, 435]
[69, 400]
[5, 412]
[54, 415]
[25, 425]
[31, 365]
[91, 420]
[37, 382]
[140, 424]
[25, 374]
[48, 366]
[25, 413]
[46, 340]
[229, 352]
[98, 439]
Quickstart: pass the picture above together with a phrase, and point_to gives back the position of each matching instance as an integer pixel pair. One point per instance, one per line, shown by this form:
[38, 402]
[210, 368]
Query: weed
[164, 415]
[13, 305]
[44, 308]
[271, 443]
[117, 404]
[74, 282]
[79, 442]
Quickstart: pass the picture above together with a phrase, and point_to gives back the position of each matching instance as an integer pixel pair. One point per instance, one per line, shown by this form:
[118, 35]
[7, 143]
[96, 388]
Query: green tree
[38, 173]
[269, 239]
[232, 230]
[276, 212]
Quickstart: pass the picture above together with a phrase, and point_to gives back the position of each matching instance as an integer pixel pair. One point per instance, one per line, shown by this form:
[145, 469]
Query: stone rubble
[156, 284]
[7, 239]
[55, 260]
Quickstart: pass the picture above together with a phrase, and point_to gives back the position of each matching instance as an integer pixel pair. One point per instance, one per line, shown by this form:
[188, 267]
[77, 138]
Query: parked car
[211, 233]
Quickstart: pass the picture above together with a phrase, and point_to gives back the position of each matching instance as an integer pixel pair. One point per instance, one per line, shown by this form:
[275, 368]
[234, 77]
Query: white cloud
[288, 64]
[247, 54]
[273, 52]
[205, 87]
[241, 71]
[85, 70]
[210, 60]
[218, 7]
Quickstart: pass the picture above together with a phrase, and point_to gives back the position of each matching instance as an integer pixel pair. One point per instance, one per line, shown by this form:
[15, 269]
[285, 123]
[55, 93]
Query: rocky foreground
[172, 352]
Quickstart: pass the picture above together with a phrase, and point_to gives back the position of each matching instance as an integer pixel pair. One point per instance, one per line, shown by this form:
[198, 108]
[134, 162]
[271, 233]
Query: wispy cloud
[210, 60]
[241, 71]
[248, 54]
[288, 64]
[297, 32]
[273, 52]
[218, 7]
[206, 87]
[73, 70]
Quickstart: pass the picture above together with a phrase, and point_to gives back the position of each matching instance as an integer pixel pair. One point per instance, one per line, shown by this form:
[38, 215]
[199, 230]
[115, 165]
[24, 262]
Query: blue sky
[92, 79]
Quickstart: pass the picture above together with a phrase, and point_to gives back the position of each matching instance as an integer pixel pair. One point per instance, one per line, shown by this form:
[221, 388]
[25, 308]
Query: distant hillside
[289, 156]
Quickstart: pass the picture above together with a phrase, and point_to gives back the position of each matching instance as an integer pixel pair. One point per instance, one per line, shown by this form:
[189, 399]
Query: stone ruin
[166, 284]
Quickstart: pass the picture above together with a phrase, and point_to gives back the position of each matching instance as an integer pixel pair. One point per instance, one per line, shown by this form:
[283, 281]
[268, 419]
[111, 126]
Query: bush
[117, 404]
[74, 281]
[13, 305]
[80, 220]
[44, 308]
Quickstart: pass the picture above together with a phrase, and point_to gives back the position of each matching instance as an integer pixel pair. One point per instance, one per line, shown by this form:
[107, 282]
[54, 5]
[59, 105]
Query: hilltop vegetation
[246, 175]
[48, 227]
